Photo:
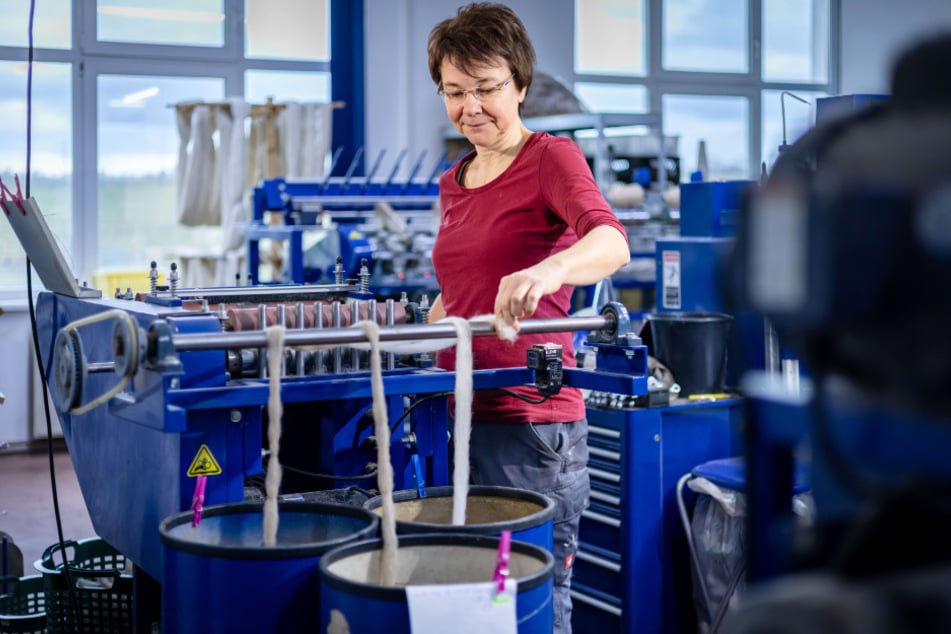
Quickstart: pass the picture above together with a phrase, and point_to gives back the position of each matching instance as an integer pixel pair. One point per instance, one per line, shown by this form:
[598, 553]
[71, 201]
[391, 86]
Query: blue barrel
[489, 511]
[351, 595]
[220, 578]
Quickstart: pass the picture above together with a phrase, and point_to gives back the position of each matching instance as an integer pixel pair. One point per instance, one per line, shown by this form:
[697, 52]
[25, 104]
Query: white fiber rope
[463, 424]
[381, 429]
[272, 483]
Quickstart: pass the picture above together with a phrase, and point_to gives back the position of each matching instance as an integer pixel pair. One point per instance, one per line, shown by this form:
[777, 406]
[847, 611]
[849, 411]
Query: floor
[26, 502]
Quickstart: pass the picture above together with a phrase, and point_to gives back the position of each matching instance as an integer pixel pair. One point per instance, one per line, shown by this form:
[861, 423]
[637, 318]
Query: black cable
[430, 397]
[415, 404]
[533, 401]
[329, 476]
[36, 338]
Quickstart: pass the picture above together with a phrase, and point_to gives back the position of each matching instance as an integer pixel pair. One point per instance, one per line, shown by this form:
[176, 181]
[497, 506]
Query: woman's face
[491, 121]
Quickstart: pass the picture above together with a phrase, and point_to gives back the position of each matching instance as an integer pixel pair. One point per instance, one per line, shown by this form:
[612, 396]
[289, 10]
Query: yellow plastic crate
[109, 281]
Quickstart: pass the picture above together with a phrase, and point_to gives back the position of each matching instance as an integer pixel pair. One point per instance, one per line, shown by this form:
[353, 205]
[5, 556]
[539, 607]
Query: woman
[522, 223]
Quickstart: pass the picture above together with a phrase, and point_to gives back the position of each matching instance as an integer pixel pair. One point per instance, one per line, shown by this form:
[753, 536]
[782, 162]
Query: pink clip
[502, 561]
[4, 190]
[199, 499]
[18, 201]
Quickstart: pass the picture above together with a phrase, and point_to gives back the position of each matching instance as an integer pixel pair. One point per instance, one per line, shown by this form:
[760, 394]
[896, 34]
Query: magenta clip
[18, 201]
[199, 500]
[19, 197]
[4, 191]
[502, 562]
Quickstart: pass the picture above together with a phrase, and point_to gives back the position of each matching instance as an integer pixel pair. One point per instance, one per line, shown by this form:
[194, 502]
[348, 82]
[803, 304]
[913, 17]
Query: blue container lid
[439, 557]
[730, 473]
[236, 531]
[490, 510]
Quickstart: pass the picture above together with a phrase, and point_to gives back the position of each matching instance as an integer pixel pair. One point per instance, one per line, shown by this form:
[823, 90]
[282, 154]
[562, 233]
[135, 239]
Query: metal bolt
[338, 271]
[235, 416]
[173, 279]
[364, 276]
[153, 277]
[656, 437]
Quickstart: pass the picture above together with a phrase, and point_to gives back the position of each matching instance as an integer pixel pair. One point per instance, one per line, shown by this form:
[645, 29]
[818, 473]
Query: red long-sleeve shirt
[539, 206]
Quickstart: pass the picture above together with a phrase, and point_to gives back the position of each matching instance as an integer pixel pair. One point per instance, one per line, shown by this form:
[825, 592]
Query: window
[138, 58]
[138, 155]
[715, 70]
[613, 97]
[796, 41]
[272, 35]
[51, 155]
[609, 37]
[300, 86]
[722, 123]
[706, 35]
[52, 24]
[799, 117]
[183, 22]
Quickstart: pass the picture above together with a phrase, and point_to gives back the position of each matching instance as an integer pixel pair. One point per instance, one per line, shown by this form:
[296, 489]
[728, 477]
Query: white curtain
[305, 132]
[214, 183]
[235, 205]
[197, 204]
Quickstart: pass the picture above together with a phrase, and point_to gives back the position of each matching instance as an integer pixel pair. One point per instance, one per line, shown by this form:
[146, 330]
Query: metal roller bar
[336, 336]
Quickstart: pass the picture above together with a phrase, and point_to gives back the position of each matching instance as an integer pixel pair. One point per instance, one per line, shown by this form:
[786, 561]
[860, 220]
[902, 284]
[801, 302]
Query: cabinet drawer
[592, 612]
[598, 569]
[600, 529]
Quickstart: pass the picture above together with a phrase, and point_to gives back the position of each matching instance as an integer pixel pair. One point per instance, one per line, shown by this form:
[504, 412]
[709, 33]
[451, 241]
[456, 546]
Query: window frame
[750, 85]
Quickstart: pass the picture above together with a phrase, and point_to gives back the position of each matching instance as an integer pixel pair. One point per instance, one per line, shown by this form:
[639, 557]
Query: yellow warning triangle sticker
[204, 464]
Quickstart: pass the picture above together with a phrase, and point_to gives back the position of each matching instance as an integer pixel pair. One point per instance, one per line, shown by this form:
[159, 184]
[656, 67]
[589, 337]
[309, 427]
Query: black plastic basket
[23, 607]
[103, 592]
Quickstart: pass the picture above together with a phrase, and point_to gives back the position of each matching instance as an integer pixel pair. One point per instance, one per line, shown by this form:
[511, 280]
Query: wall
[875, 32]
[21, 414]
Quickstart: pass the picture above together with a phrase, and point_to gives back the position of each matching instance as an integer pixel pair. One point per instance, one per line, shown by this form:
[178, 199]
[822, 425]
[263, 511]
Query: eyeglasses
[456, 97]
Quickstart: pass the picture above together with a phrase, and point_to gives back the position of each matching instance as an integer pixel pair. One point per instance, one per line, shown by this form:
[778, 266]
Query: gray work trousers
[551, 459]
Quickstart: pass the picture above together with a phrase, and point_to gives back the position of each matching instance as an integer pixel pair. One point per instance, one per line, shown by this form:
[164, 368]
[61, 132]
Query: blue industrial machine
[338, 226]
[845, 249]
[690, 267]
[155, 389]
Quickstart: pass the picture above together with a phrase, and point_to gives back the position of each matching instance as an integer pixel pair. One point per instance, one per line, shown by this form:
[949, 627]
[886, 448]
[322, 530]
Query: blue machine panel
[690, 274]
[711, 209]
[830, 108]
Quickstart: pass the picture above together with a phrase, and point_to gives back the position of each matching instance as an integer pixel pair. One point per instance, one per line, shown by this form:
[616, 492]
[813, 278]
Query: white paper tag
[464, 608]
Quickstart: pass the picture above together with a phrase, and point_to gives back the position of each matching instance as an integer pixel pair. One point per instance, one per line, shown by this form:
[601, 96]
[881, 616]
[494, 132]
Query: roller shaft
[337, 336]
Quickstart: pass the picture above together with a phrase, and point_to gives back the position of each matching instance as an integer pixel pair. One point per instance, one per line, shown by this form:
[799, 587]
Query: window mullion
[755, 53]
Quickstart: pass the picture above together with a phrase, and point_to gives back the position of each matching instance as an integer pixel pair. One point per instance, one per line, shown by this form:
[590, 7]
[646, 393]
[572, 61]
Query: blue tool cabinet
[632, 565]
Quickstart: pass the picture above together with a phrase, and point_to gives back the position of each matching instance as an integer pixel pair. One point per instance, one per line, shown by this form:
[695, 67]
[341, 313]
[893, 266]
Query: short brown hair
[482, 33]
